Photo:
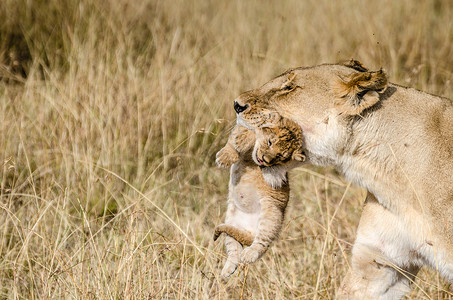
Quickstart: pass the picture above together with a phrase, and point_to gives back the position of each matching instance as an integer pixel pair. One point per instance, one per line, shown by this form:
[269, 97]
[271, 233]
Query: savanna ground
[111, 115]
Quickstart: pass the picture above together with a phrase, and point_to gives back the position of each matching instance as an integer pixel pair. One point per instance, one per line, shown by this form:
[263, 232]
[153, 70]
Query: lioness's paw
[228, 269]
[226, 157]
[250, 254]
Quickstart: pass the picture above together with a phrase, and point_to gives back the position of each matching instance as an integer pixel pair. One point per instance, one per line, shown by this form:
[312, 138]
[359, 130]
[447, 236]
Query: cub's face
[278, 145]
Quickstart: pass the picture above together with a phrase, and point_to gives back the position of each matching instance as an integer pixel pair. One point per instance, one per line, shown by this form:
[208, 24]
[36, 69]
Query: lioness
[256, 206]
[394, 141]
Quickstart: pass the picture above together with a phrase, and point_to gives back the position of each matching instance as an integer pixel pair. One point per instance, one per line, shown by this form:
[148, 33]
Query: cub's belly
[243, 220]
[245, 197]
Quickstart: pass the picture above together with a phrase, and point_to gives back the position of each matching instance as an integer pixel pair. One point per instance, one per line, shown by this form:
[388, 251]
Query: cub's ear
[298, 155]
[359, 91]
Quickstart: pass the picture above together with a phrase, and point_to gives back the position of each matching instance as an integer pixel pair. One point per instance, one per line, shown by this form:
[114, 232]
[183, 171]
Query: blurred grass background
[111, 115]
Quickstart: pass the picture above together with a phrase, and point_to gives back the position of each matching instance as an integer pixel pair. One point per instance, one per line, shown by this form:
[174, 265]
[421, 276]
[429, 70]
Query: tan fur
[278, 145]
[243, 237]
[394, 141]
[255, 208]
[359, 91]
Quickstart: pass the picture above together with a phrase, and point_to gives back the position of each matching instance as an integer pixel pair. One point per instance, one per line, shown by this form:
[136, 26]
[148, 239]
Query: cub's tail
[241, 236]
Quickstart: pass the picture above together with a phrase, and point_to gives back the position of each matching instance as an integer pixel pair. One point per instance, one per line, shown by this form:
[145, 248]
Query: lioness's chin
[240, 121]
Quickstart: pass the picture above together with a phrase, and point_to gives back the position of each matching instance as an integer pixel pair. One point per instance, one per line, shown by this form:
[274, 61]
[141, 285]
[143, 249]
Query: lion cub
[258, 188]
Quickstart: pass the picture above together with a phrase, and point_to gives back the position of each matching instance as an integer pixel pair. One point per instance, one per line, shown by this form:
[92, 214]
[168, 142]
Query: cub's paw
[226, 157]
[251, 254]
[227, 270]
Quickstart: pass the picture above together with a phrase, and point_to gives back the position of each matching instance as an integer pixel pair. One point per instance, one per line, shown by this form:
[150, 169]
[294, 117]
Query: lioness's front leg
[381, 267]
[269, 226]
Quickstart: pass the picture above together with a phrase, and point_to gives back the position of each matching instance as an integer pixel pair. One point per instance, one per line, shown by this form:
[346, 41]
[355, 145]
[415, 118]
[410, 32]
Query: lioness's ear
[356, 65]
[360, 91]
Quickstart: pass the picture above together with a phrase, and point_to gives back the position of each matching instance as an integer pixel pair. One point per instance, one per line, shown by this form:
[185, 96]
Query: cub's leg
[226, 156]
[241, 139]
[269, 226]
[233, 219]
[242, 236]
[381, 267]
[233, 249]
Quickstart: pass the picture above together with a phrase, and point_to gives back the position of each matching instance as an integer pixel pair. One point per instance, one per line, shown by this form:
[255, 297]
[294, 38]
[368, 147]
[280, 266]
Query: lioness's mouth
[242, 122]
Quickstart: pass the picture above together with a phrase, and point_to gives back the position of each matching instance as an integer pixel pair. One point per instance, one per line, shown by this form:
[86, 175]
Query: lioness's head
[256, 108]
[321, 99]
[278, 144]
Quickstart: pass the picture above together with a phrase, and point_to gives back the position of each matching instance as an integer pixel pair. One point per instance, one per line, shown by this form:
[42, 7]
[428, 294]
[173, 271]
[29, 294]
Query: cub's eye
[269, 143]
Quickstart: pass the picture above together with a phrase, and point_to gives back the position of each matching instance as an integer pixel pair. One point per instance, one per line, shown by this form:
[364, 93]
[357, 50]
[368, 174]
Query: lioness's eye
[269, 143]
[287, 87]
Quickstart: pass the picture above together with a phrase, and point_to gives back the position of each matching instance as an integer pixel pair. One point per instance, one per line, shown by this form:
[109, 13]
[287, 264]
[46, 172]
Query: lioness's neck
[362, 151]
[387, 159]
[369, 160]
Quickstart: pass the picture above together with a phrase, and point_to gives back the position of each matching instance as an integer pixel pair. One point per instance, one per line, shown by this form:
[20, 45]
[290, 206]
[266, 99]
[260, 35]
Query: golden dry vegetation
[111, 115]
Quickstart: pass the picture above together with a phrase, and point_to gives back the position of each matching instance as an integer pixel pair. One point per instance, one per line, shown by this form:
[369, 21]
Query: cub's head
[279, 144]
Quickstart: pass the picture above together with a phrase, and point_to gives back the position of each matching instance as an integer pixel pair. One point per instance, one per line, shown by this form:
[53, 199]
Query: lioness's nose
[239, 108]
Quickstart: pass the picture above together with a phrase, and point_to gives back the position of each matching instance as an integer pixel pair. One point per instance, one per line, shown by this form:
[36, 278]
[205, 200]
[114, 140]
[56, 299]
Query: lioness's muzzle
[239, 108]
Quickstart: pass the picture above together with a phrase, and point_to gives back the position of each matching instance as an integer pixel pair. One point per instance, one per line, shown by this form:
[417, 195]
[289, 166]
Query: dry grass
[112, 112]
